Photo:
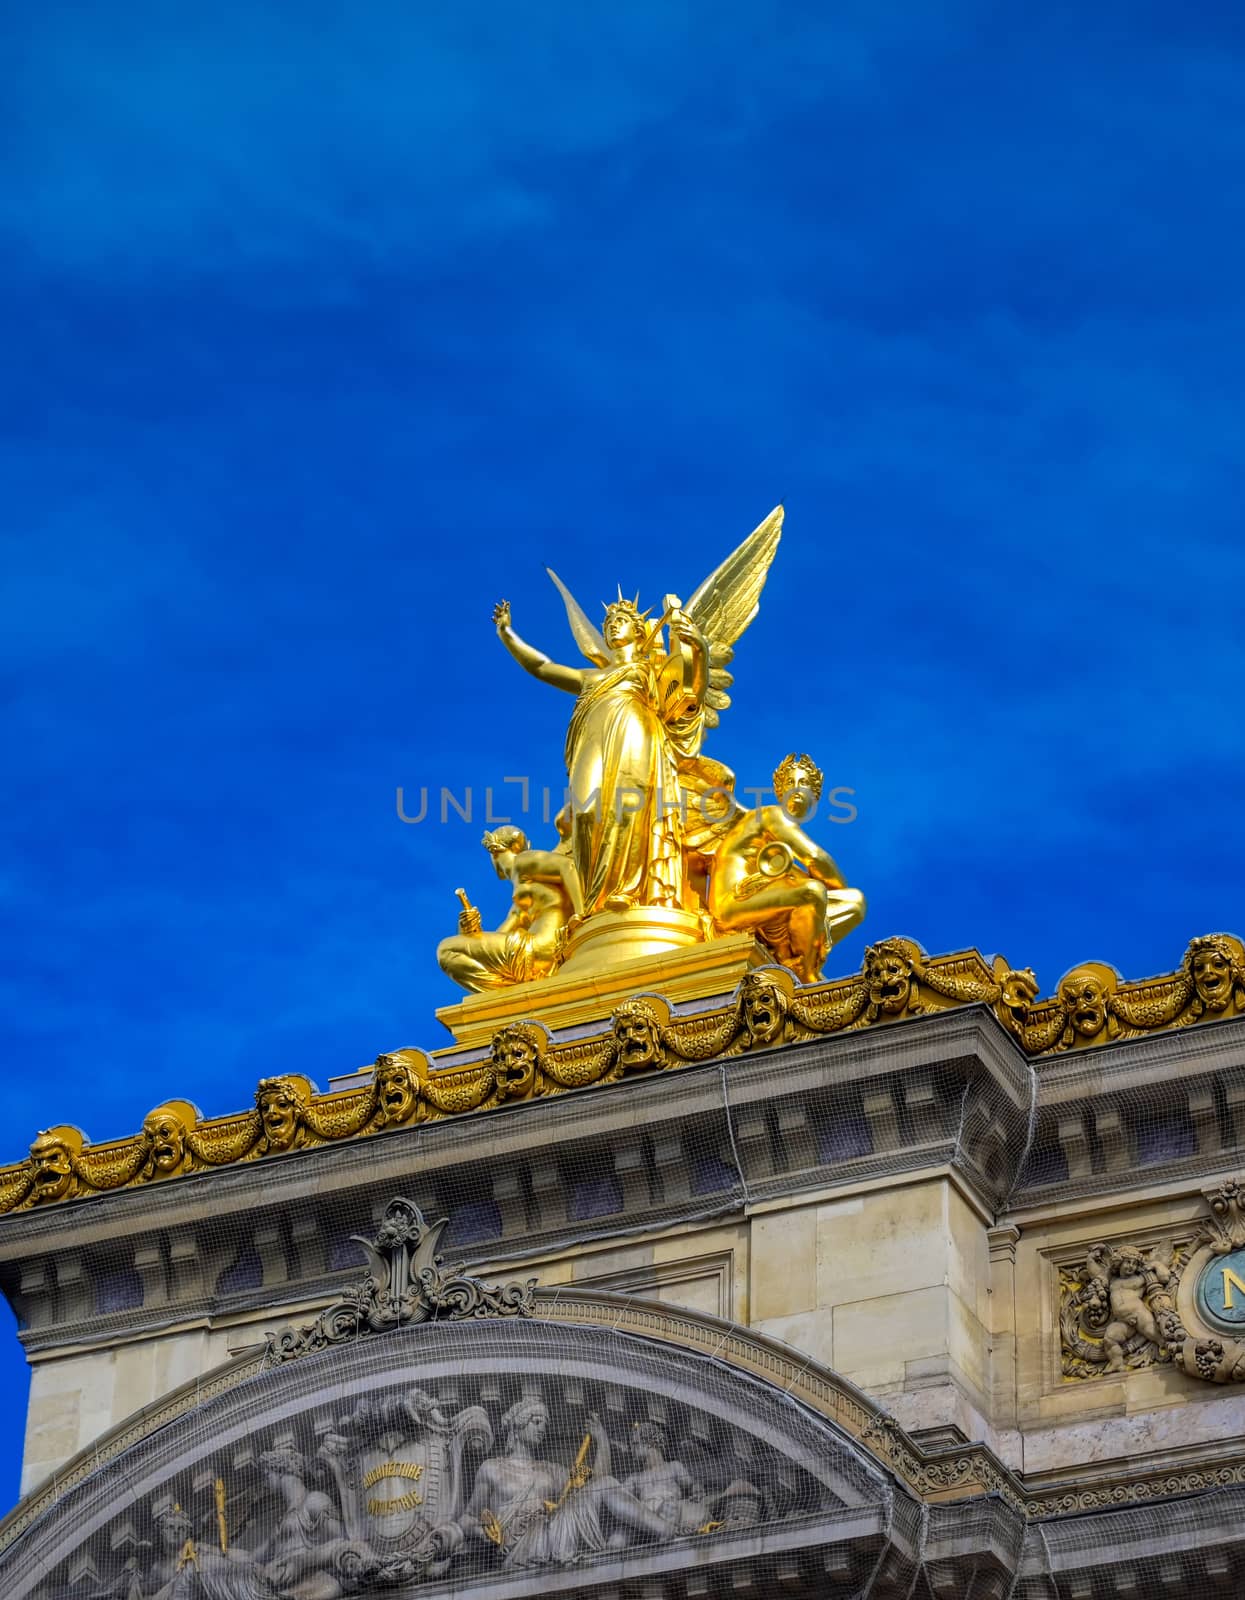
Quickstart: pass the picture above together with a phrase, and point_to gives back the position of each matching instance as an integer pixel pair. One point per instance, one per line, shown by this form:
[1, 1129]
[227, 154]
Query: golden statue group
[654, 852]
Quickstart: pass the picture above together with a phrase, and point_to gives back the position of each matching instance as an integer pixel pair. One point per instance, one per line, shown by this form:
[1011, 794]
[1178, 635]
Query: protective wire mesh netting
[1184, 1545]
[501, 1456]
[521, 1476]
[540, 1181]
[1163, 1107]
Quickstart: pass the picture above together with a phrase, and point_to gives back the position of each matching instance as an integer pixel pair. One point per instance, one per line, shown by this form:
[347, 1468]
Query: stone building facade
[908, 1284]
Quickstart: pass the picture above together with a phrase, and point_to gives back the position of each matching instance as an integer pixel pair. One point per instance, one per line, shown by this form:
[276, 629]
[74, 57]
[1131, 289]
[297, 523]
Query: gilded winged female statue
[641, 711]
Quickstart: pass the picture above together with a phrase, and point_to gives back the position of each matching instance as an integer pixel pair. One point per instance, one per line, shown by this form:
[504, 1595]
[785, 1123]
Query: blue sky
[328, 326]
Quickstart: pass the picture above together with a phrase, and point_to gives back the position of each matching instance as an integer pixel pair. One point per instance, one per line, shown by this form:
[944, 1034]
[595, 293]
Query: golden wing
[726, 602]
[587, 637]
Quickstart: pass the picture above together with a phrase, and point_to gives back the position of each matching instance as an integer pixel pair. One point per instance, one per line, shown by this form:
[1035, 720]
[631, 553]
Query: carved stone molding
[408, 1283]
[1092, 1006]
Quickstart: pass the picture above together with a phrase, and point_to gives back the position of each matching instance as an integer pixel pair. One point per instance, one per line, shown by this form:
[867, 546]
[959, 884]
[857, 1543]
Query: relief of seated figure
[302, 1555]
[527, 944]
[666, 1487]
[540, 1513]
[770, 879]
[186, 1568]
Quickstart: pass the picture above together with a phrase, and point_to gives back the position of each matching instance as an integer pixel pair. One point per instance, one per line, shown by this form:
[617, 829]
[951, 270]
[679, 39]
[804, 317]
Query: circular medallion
[1220, 1293]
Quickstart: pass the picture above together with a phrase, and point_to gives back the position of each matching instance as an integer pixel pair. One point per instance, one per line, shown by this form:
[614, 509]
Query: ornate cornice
[1091, 1006]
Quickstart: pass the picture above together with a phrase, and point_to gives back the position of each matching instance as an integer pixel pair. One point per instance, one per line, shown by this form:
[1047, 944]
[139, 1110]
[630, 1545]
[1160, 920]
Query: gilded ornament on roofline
[771, 1008]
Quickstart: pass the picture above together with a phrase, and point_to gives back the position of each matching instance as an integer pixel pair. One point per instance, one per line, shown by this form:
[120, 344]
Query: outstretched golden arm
[532, 660]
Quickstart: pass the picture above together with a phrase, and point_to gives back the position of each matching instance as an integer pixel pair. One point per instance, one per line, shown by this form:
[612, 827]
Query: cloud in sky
[335, 324]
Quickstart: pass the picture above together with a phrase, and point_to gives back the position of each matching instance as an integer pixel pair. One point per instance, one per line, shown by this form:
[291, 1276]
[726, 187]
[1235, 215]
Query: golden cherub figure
[528, 942]
[770, 879]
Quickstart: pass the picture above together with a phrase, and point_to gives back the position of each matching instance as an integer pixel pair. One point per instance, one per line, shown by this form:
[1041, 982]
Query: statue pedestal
[640, 933]
[597, 974]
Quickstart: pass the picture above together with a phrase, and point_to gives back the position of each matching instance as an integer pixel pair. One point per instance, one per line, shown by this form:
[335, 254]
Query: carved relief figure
[188, 1568]
[667, 1488]
[302, 1551]
[539, 1513]
[1117, 1311]
[1129, 1274]
[769, 878]
[528, 942]
[514, 1492]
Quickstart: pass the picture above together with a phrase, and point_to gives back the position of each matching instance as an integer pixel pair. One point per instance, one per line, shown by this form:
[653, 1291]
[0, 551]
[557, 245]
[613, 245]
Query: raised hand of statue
[679, 623]
[469, 921]
[501, 614]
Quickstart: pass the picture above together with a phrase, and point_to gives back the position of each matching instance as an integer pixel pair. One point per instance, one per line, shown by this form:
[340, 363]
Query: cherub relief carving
[1117, 1311]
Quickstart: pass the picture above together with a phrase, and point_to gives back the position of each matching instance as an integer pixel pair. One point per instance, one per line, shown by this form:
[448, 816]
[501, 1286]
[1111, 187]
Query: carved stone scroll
[407, 1283]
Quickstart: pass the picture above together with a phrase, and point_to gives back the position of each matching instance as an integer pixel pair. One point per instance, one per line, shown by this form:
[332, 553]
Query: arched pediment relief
[428, 1430]
[518, 1456]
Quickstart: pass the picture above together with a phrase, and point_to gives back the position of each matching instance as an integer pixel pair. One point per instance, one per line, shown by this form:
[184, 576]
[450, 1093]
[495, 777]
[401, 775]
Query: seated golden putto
[527, 944]
[655, 852]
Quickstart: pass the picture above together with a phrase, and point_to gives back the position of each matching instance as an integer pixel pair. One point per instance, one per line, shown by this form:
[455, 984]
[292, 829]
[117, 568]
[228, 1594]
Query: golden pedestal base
[589, 992]
[640, 933]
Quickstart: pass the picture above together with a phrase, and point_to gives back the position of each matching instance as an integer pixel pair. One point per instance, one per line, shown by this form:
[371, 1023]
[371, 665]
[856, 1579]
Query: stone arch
[771, 1475]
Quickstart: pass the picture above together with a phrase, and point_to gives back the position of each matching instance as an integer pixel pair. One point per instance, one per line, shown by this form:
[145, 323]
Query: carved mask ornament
[637, 1035]
[1216, 968]
[1085, 995]
[165, 1129]
[397, 1091]
[51, 1156]
[515, 1054]
[283, 1103]
[889, 968]
[764, 1001]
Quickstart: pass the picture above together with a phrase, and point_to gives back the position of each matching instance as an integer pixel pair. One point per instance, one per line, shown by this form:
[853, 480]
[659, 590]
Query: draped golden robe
[627, 734]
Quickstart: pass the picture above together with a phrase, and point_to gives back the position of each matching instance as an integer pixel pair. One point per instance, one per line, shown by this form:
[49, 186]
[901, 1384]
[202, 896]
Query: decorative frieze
[1091, 1006]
